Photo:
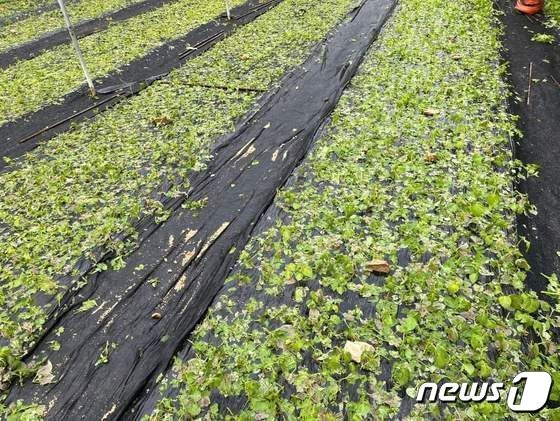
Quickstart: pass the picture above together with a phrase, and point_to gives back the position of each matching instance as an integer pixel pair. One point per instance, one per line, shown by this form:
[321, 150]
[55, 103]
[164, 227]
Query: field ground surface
[301, 211]
[34, 27]
[25, 133]
[30, 45]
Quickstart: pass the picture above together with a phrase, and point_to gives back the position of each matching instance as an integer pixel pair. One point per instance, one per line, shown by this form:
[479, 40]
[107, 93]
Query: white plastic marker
[228, 9]
[77, 47]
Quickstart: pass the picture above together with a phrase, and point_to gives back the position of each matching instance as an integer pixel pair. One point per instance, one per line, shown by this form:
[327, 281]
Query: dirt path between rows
[535, 77]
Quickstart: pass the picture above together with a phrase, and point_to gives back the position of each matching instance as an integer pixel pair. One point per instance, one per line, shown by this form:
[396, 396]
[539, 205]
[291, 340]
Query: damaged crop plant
[553, 10]
[388, 256]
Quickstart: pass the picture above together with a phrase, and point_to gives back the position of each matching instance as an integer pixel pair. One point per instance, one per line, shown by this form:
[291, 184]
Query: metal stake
[228, 9]
[77, 47]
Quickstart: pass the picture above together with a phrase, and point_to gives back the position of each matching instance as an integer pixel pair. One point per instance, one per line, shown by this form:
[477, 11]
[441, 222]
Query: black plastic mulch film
[27, 132]
[83, 29]
[535, 76]
[192, 253]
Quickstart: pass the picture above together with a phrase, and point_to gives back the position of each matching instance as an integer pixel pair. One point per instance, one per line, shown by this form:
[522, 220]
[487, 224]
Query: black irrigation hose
[192, 253]
[58, 123]
[227, 88]
[83, 29]
[257, 7]
[202, 44]
[28, 131]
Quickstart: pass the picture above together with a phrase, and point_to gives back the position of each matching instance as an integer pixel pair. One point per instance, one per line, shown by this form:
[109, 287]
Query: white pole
[77, 47]
[228, 9]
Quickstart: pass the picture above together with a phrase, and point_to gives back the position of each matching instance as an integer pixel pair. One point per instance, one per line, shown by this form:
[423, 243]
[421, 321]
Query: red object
[529, 7]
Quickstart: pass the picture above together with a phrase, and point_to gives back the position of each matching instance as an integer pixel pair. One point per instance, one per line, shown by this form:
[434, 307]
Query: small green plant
[195, 205]
[105, 353]
[86, 306]
[12, 368]
[154, 282]
[19, 411]
[544, 38]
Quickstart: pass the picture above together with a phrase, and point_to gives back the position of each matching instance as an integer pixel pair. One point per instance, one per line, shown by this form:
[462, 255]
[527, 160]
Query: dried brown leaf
[162, 121]
[356, 349]
[430, 157]
[431, 112]
[44, 375]
[377, 265]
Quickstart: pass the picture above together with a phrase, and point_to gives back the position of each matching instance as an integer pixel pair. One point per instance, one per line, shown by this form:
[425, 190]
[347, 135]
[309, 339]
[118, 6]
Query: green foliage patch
[544, 38]
[416, 162]
[10, 7]
[31, 84]
[552, 9]
[35, 26]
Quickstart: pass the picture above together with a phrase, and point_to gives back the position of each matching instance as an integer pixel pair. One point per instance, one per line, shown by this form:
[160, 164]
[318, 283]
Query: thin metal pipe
[58, 123]
[76, 45]
[228, 9]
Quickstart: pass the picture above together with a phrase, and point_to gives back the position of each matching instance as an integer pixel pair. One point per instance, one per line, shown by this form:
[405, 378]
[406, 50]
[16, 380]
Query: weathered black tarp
[28, 131]
[110, 356]
[82, 29]
[536, 65]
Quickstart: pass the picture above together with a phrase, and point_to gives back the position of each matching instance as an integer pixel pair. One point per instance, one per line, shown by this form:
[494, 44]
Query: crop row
[416, 170]
[552, 8]
[79, 190]
[35, 26]
[10, 7]
[29, 85]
